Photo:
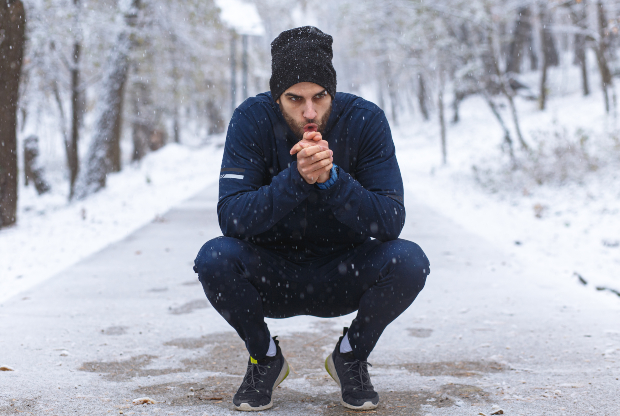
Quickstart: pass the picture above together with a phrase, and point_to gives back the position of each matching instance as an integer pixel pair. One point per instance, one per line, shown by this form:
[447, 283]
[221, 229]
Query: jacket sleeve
[372, 203]
[246, 207]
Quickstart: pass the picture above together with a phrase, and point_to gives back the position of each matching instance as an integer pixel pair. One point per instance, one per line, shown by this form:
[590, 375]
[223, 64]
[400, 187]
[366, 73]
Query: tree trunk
[507, 140]
[32, 165]
[214, 116]
[143, 118]
[114, 146]
[584, 74]
[504, 87]
[601, 53]
[175, 126]
[515, 119]
[578, 14]
[442, 120]
[542, 97]
[533, 56]
[141, 128]
[175, 93]
[393, 102]
[233, 71]
[73, 161]
[521, 36]
[104, 148]
[459, 96]
[548, 42]
[77, 107]
[422, 97]
[12, 35]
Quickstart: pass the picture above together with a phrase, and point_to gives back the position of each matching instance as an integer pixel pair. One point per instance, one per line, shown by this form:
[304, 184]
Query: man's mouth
[310, 127]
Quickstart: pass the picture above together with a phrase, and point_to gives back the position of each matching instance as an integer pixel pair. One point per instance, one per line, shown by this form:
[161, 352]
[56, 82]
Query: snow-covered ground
[568, 226]
[52, 234]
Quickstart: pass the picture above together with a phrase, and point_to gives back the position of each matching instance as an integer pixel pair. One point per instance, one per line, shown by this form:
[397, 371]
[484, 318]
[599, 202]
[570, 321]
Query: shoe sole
[245, 407]
[331, 370]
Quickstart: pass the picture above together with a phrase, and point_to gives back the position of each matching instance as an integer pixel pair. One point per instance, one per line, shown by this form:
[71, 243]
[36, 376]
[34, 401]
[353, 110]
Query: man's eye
[321, 95]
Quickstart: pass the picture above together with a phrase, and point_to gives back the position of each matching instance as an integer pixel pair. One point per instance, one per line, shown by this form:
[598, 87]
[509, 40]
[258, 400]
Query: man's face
[306, 107]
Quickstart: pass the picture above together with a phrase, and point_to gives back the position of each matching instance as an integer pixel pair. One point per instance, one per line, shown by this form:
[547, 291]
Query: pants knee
[217, 260]
[410, 266]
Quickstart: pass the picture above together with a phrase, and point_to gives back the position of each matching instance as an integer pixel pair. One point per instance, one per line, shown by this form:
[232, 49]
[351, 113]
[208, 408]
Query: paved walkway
[132, 321]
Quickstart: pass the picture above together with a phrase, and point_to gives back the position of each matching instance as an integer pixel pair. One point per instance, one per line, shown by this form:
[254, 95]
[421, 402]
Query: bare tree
[104, 151]
[579, 17]
[77, 108]
[141, 126]
[214, 116]
[422, 96]
[33, 170]
[442, 118]
[143, 119]
[543, 15]
[12, 39]
[503, 85]
[522, 36]
[601, 50]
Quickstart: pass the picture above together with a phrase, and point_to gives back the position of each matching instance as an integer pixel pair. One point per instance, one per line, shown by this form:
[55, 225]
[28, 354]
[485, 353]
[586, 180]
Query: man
[311, 206]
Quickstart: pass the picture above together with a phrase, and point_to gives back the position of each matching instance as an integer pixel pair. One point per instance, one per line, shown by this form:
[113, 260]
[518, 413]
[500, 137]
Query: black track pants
[246, 283]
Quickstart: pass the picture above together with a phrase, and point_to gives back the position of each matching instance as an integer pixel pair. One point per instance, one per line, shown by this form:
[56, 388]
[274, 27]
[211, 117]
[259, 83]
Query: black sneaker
[260, 379]
[352, 376]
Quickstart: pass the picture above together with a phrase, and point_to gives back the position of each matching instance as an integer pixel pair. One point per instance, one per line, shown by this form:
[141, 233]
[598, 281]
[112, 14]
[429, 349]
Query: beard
[298, 128]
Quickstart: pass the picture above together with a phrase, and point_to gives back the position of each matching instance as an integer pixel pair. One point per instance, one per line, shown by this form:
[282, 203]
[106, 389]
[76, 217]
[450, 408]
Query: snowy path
[131, 321]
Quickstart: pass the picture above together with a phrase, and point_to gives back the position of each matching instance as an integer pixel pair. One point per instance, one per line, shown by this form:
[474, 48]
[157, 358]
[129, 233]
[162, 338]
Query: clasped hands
[314, 159]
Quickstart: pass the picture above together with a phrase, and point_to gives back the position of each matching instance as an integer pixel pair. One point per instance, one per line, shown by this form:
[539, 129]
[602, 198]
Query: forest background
[504, 113]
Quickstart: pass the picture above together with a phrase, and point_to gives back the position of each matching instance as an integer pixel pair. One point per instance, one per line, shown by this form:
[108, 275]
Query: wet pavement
[488, 333]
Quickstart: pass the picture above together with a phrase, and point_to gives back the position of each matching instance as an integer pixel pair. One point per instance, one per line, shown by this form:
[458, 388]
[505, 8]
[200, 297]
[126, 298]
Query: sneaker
[352, 376]
[261, 377]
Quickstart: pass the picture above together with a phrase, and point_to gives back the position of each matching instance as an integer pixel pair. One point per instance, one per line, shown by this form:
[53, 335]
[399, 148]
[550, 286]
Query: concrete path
[132, 321]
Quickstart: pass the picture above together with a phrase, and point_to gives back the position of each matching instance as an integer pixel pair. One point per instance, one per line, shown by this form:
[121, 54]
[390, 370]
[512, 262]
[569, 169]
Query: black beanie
[303, 54]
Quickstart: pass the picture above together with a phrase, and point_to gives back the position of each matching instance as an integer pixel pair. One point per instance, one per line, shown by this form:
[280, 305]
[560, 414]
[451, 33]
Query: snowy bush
[557, 157]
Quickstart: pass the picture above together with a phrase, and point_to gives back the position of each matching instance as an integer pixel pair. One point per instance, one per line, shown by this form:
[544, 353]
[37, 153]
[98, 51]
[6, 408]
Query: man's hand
[314, 159]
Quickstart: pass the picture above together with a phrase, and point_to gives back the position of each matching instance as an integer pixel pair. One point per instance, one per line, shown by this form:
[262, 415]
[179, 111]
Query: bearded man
[310, 207]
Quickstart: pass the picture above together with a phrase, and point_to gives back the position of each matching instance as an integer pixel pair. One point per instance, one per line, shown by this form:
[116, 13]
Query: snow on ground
[53, 234]
[566, 227]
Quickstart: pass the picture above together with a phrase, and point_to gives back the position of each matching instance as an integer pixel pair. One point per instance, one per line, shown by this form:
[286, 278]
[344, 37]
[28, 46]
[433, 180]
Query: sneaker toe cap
[253, 400]
[358, 397]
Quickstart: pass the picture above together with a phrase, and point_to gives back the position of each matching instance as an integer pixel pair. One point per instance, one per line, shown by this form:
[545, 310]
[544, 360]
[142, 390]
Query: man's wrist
[333, 177]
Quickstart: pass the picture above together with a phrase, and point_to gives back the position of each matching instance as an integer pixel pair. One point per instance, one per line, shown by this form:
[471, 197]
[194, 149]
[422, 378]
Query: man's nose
[309, 111]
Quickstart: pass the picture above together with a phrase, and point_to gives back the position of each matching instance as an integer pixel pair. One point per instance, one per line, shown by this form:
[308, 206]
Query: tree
[601, 48]
[104, 151]
[546, 53]
[12, 39]
[71, 145]
[579, 17]
[522, 36]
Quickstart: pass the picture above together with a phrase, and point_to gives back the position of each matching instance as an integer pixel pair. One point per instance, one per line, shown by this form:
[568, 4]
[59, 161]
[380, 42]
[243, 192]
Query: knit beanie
[303, 54]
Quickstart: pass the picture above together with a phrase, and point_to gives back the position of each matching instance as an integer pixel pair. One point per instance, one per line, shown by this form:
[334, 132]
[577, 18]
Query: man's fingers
[309, 135]
[325, 154]
[311, 150]
[321, 170]
[298, 147]
[312, 135]
[313, 172]
[306, 143]
[317, 167]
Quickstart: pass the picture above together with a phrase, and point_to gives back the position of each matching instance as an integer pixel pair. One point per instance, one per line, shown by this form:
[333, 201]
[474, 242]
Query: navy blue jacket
[263, 198]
